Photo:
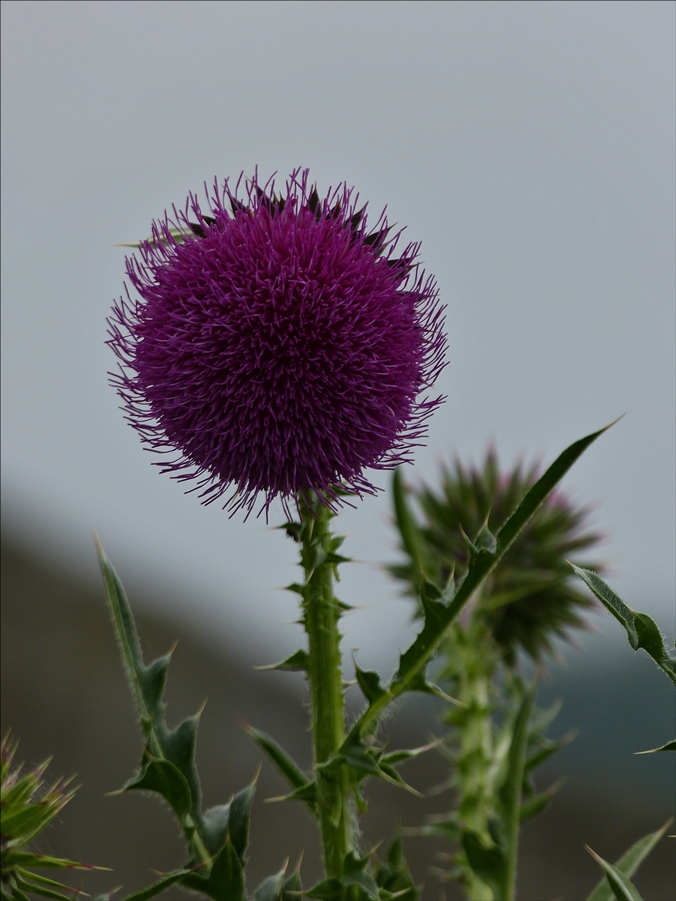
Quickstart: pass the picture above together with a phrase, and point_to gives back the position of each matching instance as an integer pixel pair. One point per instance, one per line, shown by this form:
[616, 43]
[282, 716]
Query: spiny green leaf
[393, 874]
[438, 615]
[537, 803]
[622, 888]
[163, 777]
[296, 587]
[25, 823]
[419, 683]
[157, 887]
[489, 864]
[176, 746]
[279, 888]
[125, 629]
[330, 889]
[641, 630]
[355, 873]
[395, 757]
[15, 796]
[271, 888]
[306, 792]
[23, 880]
[238, 821]
[387, 772]
[369, 682]
[331, 557]
[283, 761]
[542, 488]
[408, 529]
[486, 540]
[225, 882]
[543, 754]
[360, 758]
[669, 746]
[28, 859]
[215, 827]
[510, 791]
[629, 863]
[296, 663]
[542, 718]
[39, 880]
[292, 885]
[17, 894]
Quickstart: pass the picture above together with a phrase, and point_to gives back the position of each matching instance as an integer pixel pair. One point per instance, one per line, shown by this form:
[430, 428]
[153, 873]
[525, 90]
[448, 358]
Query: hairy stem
[321, 615]
[471, 662]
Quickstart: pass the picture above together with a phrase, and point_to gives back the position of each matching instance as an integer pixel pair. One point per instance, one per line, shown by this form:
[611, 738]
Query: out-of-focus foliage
[27, 808]
[529, 598]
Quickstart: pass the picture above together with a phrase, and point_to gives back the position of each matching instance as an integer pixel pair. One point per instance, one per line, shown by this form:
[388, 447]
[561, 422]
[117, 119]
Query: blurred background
[530, 148]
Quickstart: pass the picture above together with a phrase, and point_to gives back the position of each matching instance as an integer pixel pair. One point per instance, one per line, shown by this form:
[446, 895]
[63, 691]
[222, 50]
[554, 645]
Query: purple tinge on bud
[278, 347]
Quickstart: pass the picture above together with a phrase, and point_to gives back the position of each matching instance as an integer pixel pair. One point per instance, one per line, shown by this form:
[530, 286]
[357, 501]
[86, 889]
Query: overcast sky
[528, 146]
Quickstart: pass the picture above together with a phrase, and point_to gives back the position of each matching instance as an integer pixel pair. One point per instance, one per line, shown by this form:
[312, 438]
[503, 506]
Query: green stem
[321, 616]
[511, 793]
[471, 660]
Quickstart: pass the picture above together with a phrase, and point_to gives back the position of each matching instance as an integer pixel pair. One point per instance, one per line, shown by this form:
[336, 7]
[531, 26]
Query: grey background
[529, 146]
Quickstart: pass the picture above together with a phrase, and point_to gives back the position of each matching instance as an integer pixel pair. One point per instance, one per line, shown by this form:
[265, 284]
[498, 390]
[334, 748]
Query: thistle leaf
[629, 863]
[238, 821]
[408, 528]
[306, 792]
[542, 488]
[283, 761]
[489, 864]
[157, 887]
[669, 746]
[355, 876]
[511, 789]
[330, 889]
[293, 887]
[620, 885]
[177, 745]
[369, 682]
[440, 613]
[215, 827]
[296, 663]
[543, 754]
[537, 803]
[395, 757]
[229, 822]
[163, 777]
[393, 874]
[28, 859]
[271, 888]
[641, 630]
[214, 838]
[225, 882]
[25, 880]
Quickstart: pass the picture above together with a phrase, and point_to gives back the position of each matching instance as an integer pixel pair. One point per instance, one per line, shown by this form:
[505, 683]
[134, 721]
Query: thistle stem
[321, 616]
[471, 664]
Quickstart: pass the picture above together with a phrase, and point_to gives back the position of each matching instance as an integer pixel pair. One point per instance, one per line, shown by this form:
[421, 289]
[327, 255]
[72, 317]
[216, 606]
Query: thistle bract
[279, 346]
[26, 809]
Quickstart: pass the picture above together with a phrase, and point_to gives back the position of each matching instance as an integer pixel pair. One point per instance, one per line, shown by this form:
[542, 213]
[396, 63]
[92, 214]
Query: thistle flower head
[529, 598]
[279, 346]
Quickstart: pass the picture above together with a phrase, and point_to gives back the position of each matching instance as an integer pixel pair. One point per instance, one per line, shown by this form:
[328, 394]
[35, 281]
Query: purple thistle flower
[278, 346]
